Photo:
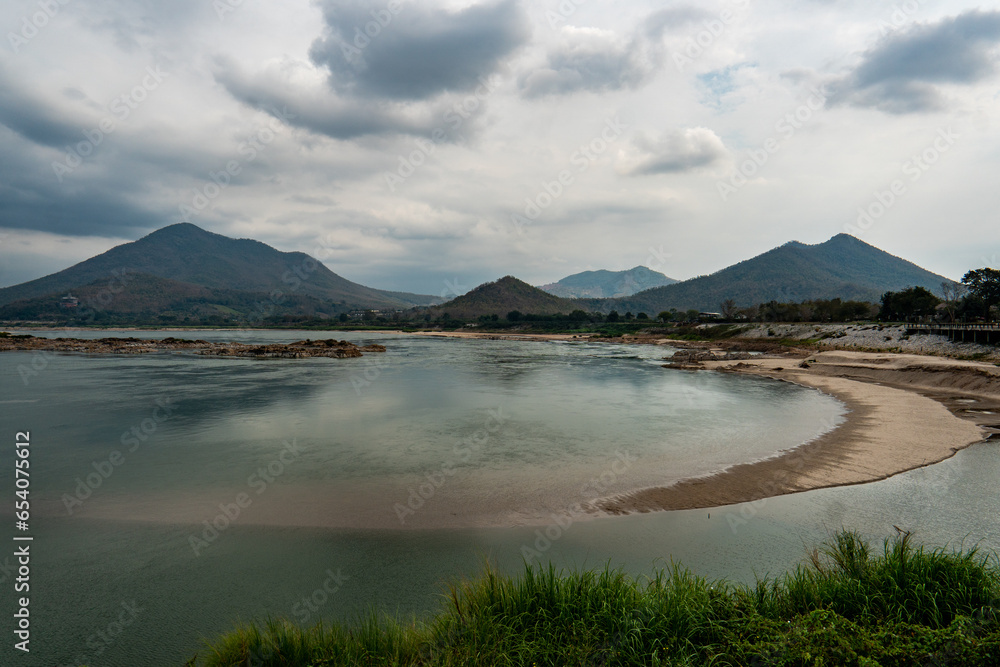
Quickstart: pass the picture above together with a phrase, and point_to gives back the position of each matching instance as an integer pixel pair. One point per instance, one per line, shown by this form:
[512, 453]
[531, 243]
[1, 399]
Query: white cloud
[323, 174]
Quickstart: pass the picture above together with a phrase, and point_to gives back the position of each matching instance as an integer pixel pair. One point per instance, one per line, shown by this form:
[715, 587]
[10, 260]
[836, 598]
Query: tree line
[975, 299]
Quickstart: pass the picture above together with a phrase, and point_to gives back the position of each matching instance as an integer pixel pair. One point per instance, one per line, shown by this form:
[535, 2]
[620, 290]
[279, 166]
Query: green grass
[848, 605]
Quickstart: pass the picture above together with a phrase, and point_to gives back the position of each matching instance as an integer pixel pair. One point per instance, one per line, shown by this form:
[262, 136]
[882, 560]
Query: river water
[173, 495]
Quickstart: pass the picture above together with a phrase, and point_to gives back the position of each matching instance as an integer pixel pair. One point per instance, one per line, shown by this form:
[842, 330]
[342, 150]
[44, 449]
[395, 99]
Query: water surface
[578, 420]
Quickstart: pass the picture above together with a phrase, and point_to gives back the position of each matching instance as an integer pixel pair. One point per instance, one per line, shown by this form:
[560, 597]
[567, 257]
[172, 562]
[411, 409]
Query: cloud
[902, 73]
[678, 151]
[593, 60]
[672, 18]
[31, 117]
[315, 108]
[419, 52]
[596, 60]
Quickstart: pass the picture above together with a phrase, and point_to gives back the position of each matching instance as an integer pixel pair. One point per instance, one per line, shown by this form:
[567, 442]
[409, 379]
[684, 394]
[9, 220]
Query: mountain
[501, 297]
[607, 284]
[843, 267]
[183, 262]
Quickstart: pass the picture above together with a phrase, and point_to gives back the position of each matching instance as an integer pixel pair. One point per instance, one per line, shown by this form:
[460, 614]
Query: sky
[431, 146]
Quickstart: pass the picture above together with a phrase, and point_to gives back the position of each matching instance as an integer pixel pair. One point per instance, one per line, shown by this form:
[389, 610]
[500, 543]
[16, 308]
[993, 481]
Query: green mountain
[843, 267]
[501, 297]
[604, 284]
[186, 269]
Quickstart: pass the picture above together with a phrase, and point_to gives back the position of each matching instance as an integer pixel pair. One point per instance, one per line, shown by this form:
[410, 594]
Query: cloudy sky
[430, 146]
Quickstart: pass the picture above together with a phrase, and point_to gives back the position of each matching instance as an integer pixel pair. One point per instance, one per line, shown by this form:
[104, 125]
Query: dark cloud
[678, 151]
[32, 198]
[32, 118]
[420, 52]
[321, 111]
[901, 73]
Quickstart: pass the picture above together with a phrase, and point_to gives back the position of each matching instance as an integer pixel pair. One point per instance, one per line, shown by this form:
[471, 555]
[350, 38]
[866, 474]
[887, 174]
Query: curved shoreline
[906, 412]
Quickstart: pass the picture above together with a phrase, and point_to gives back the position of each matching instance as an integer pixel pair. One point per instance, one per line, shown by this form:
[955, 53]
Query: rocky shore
[339, 349]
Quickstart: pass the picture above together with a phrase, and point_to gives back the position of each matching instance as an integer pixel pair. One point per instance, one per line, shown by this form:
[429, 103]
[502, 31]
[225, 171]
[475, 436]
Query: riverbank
[297, 350]
[906, 411]
[851, 603]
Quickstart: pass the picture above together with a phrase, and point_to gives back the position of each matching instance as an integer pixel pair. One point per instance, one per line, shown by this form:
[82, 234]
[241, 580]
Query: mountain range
[185, 270]
[843, 267]
[604, 284]
[184, 273]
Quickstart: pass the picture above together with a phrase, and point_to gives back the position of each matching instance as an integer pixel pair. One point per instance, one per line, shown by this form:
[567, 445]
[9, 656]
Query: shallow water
[330, 514]
[433, 433]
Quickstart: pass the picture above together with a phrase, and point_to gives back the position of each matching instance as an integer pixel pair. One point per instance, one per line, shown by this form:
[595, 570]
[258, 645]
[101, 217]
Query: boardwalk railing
[960, 333]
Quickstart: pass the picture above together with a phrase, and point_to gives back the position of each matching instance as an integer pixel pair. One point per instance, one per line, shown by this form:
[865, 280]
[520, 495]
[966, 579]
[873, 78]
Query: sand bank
[496, 336]
[906, 411]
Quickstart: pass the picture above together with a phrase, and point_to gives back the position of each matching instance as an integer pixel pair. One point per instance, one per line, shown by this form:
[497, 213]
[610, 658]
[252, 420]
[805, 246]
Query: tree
[984, 284]
[913, 302]
[613, 316]
[514, 316]
[629, 316]
[578, 315]
[642, 316]
[665, 315]
[952, 292]
[728, 309]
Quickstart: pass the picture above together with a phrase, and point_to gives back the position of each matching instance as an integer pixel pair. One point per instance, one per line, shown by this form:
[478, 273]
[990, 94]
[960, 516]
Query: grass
[847, 605]
[716, 332]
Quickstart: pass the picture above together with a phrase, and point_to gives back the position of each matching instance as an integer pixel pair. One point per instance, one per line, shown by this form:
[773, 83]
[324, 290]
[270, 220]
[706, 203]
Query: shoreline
[297, 350]
[906, 412]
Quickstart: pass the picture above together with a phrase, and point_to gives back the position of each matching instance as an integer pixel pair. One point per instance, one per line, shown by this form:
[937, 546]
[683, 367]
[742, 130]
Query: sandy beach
[906, 411]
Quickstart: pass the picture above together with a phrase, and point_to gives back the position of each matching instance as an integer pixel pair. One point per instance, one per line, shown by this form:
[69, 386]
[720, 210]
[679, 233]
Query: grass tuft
[847, 605]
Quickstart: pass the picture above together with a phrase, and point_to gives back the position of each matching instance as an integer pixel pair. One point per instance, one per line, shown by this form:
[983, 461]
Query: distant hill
[501, 297]
[142, 297]
[843, 267]
[604, 284]
[184, 262]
